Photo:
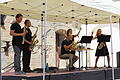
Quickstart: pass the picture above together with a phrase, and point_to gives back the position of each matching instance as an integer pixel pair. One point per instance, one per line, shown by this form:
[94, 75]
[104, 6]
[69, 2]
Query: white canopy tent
[58, 11]
[64, 11]
[111, 6]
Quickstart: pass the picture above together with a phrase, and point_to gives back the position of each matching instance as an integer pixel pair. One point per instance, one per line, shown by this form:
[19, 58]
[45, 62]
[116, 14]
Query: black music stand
[104, 38]
[85, 39]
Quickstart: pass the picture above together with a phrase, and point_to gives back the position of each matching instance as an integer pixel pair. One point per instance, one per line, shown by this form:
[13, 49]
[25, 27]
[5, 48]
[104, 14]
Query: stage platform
[92, 74]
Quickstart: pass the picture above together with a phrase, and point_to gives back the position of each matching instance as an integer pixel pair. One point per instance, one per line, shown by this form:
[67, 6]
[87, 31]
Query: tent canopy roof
[58, 11]
[105, 5]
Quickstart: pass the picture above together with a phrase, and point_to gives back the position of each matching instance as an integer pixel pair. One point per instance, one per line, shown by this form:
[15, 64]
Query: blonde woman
[102, 49]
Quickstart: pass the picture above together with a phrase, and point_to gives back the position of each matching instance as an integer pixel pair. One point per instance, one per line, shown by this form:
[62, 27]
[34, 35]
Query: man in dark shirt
[26, 51]
[16, 32]
[66, 53]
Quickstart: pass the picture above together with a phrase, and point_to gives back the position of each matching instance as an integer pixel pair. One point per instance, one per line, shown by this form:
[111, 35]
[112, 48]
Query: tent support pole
[111, 47]
[44, 39]
[119, 29]
[86, 43]
[0, 50]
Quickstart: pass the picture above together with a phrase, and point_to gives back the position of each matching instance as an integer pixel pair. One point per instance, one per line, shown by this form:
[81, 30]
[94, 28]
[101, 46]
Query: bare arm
[66, 47]
[12, 33]
[28, 42]
[69, 46]
[78, 32]
[94, 38]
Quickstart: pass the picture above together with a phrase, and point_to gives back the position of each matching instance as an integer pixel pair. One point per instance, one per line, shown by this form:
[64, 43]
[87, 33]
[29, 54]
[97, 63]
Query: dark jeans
[17, 57]
[26, 58]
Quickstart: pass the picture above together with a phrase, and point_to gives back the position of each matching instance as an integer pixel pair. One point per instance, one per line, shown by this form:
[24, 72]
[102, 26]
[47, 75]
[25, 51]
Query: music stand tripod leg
[79, 60]
[86, 60]
[82, 59]
[104, 62]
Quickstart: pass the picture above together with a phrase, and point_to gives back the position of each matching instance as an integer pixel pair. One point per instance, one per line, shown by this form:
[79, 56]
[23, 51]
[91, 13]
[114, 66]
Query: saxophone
[34, 41]
[102, 44]
[73, 45]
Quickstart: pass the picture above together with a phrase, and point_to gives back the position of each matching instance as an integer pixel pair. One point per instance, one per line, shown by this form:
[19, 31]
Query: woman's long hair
[97, 33]
[68, 31]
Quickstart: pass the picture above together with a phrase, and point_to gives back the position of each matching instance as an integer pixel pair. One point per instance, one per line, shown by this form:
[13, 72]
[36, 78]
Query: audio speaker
[118, 59]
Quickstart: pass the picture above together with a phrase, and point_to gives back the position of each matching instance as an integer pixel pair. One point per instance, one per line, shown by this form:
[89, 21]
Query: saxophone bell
[34, 40]
[102, 44]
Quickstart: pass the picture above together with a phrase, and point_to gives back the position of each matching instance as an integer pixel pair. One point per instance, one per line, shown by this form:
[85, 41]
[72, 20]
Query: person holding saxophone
[66, 45]
[102, 49]
[26, 43]
[17, 38]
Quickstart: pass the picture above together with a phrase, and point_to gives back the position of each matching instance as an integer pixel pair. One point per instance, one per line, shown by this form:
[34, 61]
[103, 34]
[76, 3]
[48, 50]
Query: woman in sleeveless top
[102, 49]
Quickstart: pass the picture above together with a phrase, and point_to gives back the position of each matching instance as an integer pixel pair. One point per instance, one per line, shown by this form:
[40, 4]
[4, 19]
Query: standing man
[27, 43]
[17, 38]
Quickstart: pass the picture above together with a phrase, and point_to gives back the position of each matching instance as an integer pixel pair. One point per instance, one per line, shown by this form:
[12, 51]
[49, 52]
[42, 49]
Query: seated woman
[66, 45]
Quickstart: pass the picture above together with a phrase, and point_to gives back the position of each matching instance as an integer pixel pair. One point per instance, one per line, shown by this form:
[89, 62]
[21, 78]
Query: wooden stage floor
[91, 74]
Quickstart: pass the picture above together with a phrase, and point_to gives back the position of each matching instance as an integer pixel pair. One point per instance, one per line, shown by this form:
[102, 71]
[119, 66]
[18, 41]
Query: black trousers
[26, 58]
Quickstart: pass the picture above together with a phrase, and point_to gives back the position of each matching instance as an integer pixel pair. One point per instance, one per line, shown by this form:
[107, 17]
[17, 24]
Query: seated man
[66, 53]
